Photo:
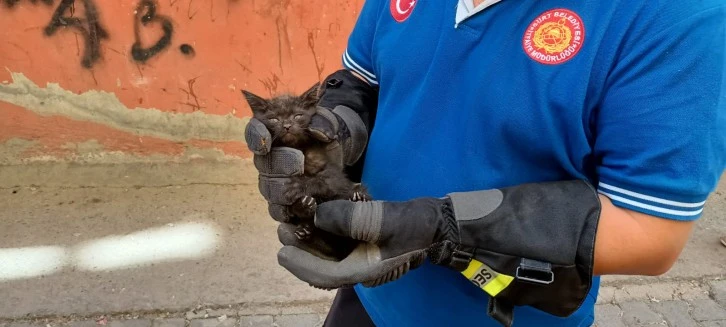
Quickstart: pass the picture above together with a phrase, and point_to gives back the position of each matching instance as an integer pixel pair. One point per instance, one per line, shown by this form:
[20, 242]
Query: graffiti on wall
[91, 30]
[146, 14]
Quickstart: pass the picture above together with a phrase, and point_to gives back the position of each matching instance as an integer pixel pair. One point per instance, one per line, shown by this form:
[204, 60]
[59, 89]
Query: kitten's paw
[309, 205]
[360, 194]
[308, 201]
[305, 207]
[304, 232]
[293, 194]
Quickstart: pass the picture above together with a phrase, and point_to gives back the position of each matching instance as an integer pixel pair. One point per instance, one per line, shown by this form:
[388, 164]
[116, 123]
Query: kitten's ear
[257, 103]
[310, 97]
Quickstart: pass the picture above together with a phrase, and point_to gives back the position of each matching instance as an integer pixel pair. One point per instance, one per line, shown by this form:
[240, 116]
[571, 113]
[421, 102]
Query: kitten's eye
[298, 117]
[274, 120]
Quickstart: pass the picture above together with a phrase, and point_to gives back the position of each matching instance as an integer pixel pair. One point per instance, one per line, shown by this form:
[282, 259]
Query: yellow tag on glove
[486, 278]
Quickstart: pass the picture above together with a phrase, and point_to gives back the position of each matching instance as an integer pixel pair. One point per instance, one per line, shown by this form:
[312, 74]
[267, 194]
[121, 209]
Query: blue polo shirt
[627, 94]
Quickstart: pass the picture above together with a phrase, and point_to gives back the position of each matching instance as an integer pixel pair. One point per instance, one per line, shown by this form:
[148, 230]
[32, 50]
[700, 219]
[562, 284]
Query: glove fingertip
[320, 135]
[334, 216]
[323, 126]
[307, 267]
[278, 212]
[283, 256]
[257, 137]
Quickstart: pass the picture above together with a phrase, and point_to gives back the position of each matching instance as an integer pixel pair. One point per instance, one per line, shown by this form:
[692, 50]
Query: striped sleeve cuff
[349, 63]
[651, 205]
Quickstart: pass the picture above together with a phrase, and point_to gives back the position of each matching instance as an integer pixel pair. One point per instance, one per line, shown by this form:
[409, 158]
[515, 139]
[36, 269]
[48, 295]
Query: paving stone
[675, 313]
[255, 321]
[171, 322]
[319, 308]
[210, 313]
[196, 314]
[213, 322]
[606, 294]
[718, 290]
[707, 310]
[129, 323]
[697, 293]
[608, 315]
[656, 291]
[221, 312]
[635, 293]
[303, 320]
[720, 323]
[638, 313]
[690, 291]
[259, 309]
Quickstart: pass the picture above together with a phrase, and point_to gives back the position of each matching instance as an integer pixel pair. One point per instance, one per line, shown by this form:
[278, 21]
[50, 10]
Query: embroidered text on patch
[554, 37]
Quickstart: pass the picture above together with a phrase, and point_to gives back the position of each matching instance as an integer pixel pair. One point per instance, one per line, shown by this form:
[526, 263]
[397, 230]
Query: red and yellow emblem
[554, 37]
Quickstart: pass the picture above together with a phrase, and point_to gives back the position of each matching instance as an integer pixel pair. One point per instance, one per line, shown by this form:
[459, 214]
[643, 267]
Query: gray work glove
[341, 127]
[531, 244]
[345, 133]
[396, 235]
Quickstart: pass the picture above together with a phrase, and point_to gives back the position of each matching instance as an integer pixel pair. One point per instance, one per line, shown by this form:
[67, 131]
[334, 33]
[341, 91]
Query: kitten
[288, 117]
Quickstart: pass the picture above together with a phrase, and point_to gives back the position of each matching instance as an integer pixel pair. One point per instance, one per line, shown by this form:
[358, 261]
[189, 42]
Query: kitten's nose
[287, 126]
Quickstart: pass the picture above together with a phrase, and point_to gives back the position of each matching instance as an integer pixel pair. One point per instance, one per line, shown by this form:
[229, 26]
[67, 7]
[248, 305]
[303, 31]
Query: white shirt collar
[465, 9]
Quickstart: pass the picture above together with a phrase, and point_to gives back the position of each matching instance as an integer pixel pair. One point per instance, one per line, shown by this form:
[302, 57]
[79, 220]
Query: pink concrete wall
[195, 56]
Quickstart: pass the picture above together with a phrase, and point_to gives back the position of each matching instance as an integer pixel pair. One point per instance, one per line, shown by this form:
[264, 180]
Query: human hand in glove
[530, 244]
[340, 127]
[341, 121]
[277, 166]
[397, 237]
[343, 118]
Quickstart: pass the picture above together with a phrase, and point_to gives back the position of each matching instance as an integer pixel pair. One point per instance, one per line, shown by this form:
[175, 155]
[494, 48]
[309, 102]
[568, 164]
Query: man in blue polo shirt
[492, 123]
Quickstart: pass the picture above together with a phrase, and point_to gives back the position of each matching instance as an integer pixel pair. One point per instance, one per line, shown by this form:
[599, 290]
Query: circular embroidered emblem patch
[401, 9]
[554, 37]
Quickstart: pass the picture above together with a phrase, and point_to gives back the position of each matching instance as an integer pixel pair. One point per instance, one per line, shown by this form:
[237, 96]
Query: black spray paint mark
[12, 3]
[145, 14]
[187, 50]
[92, 34]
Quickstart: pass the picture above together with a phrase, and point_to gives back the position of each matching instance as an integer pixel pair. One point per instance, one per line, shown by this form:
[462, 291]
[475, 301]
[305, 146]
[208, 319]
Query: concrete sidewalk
[675, 304]
[238, 281]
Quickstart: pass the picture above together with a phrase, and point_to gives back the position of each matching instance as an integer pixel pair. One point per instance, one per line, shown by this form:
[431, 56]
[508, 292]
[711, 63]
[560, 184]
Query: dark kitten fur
[288, 117]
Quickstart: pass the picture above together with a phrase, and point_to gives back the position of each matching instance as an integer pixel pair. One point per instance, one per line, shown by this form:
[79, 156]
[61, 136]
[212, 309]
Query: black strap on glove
[342, 88]
[531, 244]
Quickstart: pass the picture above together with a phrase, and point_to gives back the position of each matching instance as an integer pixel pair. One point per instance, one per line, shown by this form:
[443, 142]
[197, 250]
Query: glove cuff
[447, 250]
[531, 244]
[342, 88]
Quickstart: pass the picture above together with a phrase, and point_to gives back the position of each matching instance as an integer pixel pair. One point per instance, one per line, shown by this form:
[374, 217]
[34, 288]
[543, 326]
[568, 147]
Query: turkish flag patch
[401, 9]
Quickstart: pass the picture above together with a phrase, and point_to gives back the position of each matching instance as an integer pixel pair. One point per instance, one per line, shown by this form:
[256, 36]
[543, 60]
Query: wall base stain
[105, 108]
